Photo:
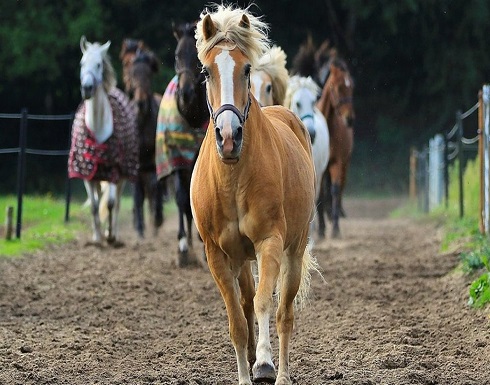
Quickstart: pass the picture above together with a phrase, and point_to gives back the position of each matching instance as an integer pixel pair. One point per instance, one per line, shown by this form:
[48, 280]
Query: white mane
[295, 83]
[273, 63]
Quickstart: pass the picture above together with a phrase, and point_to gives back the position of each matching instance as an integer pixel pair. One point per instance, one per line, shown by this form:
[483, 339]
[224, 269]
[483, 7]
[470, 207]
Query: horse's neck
[195, 113]
[98, 115]
[324, 104]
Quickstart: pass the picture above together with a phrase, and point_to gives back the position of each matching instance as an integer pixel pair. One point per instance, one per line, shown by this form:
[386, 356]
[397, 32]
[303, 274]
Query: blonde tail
[309, 264]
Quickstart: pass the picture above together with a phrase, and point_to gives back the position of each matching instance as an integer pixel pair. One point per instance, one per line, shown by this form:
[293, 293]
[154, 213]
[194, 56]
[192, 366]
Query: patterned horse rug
[114, 159]
[176, 141]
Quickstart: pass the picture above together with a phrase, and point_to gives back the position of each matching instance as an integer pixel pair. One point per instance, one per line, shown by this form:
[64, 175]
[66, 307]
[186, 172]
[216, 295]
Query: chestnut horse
[252, 193]
[336, 104]
[139, 66]
[269, 79]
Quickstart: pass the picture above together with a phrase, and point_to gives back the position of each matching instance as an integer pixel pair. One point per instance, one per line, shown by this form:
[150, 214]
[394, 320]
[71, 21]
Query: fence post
[21, 164]
[446, 168]
[413, 174]
[459, 121]
[486, 155]
[481, 223]
[68, 183]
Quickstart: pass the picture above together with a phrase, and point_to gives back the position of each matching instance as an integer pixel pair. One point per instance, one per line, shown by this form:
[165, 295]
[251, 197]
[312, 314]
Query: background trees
[415, 62]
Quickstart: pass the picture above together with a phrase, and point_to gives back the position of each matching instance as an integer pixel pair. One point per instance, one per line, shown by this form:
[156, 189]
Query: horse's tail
[104, 202]
[309, 264]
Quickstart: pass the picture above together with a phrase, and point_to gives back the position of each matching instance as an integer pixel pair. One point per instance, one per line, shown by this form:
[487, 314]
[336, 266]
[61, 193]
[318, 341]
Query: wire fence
[22, 150]
[429, 167]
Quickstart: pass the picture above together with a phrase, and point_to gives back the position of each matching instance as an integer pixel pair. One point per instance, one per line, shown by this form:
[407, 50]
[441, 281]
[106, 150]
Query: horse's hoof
[94, 243]
[183, 258]
[264, 373]
[283, 380]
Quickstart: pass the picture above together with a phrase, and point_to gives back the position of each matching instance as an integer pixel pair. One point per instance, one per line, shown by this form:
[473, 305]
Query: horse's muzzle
[87, 91]
[229, 143]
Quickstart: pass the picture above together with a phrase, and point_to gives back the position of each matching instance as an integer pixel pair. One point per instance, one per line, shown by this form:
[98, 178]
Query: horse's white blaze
[226, 65]
[256, 85]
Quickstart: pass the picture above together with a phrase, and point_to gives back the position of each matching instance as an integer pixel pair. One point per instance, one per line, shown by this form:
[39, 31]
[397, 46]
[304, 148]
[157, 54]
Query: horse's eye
[298, 105]
[268, 89]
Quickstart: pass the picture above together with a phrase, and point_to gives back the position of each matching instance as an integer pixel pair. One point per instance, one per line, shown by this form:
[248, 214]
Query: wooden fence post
[21, 165]
[9, 222]
[413, 174]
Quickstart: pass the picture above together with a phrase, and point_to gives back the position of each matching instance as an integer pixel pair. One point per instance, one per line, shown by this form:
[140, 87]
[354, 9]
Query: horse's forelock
[252, 41]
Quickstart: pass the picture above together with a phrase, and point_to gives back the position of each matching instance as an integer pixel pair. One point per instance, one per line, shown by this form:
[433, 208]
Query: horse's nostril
[239, 134]
[219, 138]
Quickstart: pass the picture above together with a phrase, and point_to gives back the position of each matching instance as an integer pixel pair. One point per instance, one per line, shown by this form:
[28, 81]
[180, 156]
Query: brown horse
[252, 193]
[336, 104]
[139, 66]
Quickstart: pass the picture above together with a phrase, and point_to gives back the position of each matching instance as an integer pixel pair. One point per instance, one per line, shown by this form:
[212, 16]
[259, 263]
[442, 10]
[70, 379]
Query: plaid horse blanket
[114, 159]
[176, 142]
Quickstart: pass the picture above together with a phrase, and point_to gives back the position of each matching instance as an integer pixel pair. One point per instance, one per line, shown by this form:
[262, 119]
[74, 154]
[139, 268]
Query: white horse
[104, 144]
[301, 96]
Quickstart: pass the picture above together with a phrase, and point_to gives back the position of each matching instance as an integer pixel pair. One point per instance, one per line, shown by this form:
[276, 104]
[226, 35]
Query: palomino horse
[337, 106]
[253, 192]
[269, 79]
[182, 119]
[139, 65]
[301, 97]
[104, 142]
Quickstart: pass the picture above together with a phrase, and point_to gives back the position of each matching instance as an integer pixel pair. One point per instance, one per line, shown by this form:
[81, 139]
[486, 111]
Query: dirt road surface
[391, 311]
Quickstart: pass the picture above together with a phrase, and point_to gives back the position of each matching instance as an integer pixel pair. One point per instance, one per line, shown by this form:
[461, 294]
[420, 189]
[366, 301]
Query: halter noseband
[230, 107]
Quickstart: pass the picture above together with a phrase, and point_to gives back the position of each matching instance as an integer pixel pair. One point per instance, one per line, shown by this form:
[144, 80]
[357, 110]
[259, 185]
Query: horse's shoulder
[290, 119]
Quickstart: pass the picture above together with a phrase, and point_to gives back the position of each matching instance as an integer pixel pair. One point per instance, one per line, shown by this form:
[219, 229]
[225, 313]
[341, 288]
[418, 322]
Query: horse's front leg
[228, 285]
[269, 253]
[138, 201]
[94, 207]
[113, 204]
[183, 200]
[247, 290]
[335, 190]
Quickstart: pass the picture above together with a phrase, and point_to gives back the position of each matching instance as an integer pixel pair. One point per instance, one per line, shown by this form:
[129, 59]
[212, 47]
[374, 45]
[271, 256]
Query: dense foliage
[415, 62]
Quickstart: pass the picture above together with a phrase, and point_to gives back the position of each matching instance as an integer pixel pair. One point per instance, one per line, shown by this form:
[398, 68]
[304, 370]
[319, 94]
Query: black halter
[230, 107]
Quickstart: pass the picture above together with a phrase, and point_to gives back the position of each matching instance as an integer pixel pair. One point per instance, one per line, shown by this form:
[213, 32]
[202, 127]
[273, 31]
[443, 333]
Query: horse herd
[255, 152]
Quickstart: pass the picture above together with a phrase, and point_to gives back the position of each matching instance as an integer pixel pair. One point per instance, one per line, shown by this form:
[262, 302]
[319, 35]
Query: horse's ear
[106, 46]
[208, 27]
[83, 43]
[176, 31]
[245, 22]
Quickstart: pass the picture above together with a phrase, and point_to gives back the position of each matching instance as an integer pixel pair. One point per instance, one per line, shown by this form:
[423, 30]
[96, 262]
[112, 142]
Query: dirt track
[391, 312]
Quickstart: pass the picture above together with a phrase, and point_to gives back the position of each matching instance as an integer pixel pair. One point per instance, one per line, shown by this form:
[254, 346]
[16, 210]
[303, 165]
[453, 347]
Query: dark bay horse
[139, 66]
[253, 192]
[182, 120]
[336, 104]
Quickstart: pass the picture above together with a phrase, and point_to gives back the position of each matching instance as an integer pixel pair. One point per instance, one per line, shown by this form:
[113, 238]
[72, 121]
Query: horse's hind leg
[138, 210]
[290, 283]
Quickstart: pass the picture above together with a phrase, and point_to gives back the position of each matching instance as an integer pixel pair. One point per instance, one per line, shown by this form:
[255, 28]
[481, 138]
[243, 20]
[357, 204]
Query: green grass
[42, 224]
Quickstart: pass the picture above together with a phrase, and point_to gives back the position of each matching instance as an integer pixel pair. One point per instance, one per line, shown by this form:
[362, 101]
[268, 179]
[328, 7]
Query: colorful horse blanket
[176, 142]
[114, 159]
